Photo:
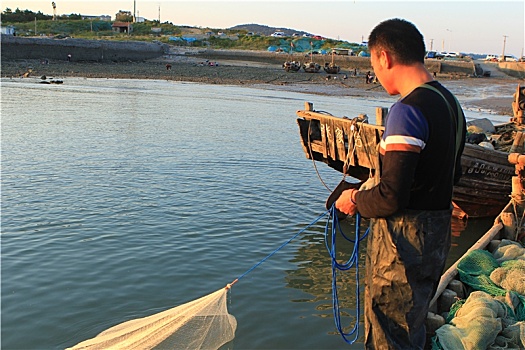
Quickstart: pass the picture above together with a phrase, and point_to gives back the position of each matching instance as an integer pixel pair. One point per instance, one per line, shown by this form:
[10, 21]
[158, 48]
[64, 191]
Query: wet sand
[496, 93]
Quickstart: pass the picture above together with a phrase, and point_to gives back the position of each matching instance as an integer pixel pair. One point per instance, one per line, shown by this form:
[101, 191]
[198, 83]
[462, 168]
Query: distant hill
[266, 30]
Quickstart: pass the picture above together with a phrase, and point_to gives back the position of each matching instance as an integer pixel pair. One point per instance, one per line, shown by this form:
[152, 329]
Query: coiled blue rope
[332, 229]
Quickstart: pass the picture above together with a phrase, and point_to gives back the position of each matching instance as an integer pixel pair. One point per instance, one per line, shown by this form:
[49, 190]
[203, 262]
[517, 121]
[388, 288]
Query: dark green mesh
[454, 308]
[475, 269]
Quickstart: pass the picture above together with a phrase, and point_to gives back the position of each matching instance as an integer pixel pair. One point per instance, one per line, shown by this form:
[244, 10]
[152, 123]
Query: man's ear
[386, 59]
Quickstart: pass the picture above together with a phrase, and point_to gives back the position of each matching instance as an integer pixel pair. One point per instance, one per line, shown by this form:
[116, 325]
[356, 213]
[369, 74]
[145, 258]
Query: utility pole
[504, 41]
[54, 10]
[134, 10]
[431, 44]
[159, 14]
[449, 39]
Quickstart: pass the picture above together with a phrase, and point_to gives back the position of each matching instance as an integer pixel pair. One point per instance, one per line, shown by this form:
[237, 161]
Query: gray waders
[405, 258]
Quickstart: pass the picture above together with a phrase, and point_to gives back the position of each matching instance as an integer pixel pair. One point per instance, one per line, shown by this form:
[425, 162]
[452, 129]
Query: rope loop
[332, 229]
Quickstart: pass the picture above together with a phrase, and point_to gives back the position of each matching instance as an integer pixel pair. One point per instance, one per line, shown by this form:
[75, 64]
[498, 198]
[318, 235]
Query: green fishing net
[493, 316]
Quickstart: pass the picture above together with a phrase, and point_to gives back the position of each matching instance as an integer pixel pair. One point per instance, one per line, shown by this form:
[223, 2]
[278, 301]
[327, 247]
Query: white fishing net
[203, 323]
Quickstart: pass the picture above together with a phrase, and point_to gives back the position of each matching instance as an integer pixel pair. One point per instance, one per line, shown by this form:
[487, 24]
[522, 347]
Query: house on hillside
[8, 30]
[122, 27]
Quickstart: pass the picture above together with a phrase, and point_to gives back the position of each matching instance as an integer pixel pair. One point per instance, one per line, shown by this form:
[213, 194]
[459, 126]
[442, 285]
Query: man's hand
[346, 202]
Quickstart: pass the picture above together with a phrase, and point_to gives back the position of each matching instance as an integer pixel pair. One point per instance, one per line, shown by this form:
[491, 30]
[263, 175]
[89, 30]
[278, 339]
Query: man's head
[400, 38]
[397, 55]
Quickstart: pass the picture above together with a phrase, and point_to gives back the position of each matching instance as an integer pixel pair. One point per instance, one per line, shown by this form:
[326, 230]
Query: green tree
[8, 16]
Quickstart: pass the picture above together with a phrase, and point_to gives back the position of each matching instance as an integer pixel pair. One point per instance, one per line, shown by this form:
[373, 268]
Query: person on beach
[409, 200]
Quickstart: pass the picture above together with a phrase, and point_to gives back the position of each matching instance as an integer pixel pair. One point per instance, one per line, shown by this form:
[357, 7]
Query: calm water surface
[122, 198]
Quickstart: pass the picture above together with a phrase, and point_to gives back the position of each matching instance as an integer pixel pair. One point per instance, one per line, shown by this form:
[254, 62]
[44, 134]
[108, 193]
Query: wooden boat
[350, 146]
[331, 68]
[509, 225]
[311, 67]
[292, 66]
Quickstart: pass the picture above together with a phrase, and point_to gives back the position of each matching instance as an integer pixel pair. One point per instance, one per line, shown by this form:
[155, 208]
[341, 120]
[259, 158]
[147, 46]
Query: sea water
[123, 198]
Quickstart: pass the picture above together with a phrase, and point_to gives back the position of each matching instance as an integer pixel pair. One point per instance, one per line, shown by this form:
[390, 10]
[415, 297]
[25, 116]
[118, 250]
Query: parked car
[491, 58]
[278, 34]
[313, 52]
[434, 54]
[508, 58]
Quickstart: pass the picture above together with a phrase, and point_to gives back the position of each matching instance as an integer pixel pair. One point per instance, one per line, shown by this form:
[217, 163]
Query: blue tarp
[299, 45]
[184, 38]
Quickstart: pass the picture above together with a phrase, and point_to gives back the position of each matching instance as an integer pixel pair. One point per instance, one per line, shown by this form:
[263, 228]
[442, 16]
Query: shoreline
[495, 93]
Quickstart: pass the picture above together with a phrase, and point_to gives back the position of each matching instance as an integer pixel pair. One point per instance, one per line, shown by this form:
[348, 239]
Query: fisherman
[409, 199]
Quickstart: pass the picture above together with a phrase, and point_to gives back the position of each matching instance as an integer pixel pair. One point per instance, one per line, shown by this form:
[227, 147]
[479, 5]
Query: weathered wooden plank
[340, 141]
[324, 140]
[330, 133]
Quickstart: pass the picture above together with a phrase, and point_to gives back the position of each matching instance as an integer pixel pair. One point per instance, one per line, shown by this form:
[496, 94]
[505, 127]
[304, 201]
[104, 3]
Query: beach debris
[168, 66]
[27, 73]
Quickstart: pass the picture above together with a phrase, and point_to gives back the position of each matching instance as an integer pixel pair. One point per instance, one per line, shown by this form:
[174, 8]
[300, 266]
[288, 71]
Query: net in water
[203, 323]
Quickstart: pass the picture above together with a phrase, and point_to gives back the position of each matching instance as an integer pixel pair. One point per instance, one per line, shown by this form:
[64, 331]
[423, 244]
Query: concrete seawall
[348, 63]
[80, 49]
[515, 69]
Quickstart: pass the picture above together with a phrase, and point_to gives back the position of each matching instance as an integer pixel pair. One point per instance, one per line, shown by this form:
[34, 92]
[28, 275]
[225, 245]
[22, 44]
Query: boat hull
[291, 66]
[311, 67]
[485, 184]
[331, 68]
[351, 147]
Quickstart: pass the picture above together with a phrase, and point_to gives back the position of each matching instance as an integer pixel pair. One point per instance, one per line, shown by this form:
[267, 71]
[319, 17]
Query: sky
[482, 27]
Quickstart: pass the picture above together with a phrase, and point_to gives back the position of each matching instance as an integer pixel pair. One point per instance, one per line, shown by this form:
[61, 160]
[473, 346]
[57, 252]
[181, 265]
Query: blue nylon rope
[281, 247]
[332, 228]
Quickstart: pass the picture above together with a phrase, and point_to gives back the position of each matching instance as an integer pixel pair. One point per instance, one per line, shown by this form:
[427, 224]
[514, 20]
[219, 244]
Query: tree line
[21, 16]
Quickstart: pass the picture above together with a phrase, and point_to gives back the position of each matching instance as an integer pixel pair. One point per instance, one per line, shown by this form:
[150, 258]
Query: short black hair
[399, 37]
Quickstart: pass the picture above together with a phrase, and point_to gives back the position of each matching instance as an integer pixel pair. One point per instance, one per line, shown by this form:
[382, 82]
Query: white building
[8, 30]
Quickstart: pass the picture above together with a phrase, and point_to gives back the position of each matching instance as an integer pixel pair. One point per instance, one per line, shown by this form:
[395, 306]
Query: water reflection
[314, 274]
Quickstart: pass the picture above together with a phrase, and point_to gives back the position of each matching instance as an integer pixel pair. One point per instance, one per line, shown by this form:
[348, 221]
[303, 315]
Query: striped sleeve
[406, 130]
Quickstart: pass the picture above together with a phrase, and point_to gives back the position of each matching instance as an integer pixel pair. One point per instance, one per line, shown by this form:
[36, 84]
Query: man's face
[379, 62]
[376, 64]
[373, 59]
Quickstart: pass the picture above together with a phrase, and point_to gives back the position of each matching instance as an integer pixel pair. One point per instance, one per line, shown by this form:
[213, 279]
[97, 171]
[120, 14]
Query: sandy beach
[267, 73]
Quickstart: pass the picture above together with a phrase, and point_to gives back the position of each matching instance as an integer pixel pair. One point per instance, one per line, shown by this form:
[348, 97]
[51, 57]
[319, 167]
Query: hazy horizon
[481, 27]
